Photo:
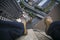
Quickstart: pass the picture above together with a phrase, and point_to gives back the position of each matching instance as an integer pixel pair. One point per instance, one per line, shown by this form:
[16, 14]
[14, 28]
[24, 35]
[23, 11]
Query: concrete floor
[55, 14]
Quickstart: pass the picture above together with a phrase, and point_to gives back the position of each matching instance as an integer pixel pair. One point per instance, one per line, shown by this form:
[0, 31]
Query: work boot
[48, 20]
[24, 22]
[25, 29]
